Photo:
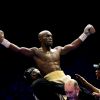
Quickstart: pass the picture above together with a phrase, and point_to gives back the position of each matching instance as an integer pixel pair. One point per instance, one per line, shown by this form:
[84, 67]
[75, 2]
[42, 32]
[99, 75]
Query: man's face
[72, 91]
[35, 74]
[97, 73]
[46, 39]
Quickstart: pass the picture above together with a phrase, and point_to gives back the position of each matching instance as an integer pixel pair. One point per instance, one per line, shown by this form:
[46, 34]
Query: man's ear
[39, 39]
[77, 90]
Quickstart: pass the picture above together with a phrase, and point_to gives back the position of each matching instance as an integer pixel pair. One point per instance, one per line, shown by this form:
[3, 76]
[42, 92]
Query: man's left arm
[88, 30]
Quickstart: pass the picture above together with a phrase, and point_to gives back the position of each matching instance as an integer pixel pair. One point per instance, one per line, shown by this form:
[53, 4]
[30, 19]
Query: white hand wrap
[5, 43]
[83, 36]
[87, 31]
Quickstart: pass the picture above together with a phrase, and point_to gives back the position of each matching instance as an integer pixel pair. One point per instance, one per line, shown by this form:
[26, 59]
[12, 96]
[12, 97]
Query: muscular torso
[47, 61]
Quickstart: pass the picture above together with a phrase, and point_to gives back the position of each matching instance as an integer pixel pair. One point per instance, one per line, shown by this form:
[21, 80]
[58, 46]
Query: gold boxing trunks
[57, 76]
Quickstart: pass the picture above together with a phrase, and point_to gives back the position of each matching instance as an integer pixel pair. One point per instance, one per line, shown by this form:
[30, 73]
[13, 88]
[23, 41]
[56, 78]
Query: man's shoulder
[58, 47]
[34, 48]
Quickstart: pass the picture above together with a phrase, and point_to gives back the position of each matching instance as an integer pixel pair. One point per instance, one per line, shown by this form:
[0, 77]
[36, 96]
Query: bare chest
[49, 56]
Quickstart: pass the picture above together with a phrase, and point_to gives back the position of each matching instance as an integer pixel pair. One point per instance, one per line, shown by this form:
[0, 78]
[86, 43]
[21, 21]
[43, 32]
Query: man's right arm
[87, 84]
[8, 44]
[96, 91]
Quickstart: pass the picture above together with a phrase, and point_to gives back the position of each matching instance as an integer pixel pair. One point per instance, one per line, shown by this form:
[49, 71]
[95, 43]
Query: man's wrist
[83, 36]
[5, 43]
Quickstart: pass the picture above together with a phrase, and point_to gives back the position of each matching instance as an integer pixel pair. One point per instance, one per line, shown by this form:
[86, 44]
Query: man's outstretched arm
[8, 44]
[88, 30]
[87, 84]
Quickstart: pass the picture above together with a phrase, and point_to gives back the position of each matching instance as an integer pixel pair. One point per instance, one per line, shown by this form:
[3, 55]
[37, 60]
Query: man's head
[45, 38]
[31, 74]
[72, 89]
[97, 67]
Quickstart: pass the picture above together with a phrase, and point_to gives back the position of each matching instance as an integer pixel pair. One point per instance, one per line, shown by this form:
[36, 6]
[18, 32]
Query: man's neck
[46, 48]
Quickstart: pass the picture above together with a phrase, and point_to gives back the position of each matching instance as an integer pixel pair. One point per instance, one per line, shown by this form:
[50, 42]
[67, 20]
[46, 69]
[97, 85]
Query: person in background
[42, 88]
[75, 92]
[48, 90]
[94, 90]
[97, 70]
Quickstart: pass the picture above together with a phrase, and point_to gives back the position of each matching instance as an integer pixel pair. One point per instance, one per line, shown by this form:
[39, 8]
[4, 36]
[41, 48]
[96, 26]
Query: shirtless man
[47, 58]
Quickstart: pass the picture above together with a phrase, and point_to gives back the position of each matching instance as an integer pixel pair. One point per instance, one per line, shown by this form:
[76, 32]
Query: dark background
[21, 22]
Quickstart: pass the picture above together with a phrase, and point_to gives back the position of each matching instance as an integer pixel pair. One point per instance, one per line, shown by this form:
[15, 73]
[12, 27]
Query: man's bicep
[23, 50]
[66, 49]
[26, 51]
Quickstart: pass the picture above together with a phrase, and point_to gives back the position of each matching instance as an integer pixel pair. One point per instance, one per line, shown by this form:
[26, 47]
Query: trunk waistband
[57, 76]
